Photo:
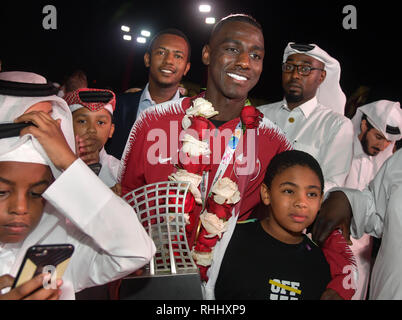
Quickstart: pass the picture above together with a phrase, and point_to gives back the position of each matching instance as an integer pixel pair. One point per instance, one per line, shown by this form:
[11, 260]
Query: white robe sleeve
[370, 206]
[108, 238]
[336, 155]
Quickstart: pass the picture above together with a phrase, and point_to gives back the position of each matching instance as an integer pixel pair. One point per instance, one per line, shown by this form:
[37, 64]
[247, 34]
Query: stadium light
[145, 33]
[210, 20]
[127, 37]
[141, 40]
[204, 8]
[125, 28]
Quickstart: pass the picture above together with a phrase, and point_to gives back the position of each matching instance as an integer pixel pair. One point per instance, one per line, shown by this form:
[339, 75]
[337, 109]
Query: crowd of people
[288, 195]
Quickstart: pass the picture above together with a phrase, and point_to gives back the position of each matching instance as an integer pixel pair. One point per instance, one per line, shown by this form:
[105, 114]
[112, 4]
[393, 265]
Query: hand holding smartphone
[52, 259]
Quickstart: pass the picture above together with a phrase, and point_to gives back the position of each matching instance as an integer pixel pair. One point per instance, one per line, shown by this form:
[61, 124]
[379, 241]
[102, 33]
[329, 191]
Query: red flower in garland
[222, 211]
[250, 117]
[202, 126]
[193, 164]
[205, 244]
[189, 202]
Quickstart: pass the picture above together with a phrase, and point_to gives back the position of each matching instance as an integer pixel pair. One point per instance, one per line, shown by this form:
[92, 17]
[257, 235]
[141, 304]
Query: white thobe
[110, 168]
[109, 241]
[319, 131]
[377, 211]
[362, 171]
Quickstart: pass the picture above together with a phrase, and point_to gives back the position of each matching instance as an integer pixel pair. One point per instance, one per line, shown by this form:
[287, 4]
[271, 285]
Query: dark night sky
[88, 37]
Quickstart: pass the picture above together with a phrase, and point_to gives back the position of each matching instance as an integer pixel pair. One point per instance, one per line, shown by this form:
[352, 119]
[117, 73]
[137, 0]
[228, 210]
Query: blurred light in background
[145, 33]
[204, 8]
[210, 20]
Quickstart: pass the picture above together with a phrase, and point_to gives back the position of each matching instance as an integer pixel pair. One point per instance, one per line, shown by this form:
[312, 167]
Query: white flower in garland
[201, 108]
[194, 179]
[225, 190]
[213, 225]
[202, 258]
[194, 147]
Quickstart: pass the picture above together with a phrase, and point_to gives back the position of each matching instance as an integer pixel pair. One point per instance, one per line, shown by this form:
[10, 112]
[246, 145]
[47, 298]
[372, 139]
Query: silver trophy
[172, 273]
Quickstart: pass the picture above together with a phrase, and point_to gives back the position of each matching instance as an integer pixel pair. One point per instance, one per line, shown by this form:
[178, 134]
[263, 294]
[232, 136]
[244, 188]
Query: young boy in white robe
[92, 121]
[75, 208]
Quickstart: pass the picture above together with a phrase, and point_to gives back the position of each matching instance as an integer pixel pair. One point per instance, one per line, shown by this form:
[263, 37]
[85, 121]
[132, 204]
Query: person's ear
[264, 192]
[323, 76]
[147, 59]
[111, 130]
[188, 65]
[206, 50]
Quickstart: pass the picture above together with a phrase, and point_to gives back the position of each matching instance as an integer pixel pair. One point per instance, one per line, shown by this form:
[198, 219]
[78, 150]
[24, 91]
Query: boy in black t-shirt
[272, 259]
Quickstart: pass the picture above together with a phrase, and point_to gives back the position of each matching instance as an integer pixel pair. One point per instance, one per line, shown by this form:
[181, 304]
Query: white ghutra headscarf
[329, 93]
[386, 117]
[18, 92]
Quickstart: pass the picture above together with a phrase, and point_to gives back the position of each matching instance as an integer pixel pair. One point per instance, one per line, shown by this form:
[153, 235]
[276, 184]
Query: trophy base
[181, 286]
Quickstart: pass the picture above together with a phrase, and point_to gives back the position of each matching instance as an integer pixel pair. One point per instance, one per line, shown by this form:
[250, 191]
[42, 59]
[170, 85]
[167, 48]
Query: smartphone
[11, 129]
[44, 258]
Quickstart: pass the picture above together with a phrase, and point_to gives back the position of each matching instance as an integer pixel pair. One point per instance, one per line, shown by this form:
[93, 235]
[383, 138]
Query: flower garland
[194, 162]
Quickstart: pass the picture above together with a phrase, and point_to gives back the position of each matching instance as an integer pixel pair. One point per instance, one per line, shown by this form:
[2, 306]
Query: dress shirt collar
[146, 96]
[306, 108]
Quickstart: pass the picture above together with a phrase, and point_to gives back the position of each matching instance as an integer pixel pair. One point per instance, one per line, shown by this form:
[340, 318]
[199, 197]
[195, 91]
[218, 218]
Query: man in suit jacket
[168, 60]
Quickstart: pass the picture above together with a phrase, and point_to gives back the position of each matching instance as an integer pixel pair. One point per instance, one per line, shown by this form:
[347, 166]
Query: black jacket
[124, 117]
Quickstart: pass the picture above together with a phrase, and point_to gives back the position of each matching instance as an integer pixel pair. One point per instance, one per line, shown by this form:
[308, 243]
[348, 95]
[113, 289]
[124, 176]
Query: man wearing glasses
[311, 113]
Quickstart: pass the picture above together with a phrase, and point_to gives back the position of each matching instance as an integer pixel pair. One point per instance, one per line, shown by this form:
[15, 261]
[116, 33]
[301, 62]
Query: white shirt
[377, 211]
[109, 241]
[319, 131]
[362, 170]
[146, 100]
[110, 168]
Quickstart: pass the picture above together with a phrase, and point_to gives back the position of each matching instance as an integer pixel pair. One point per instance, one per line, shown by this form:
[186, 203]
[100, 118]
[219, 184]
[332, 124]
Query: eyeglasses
[303, 70]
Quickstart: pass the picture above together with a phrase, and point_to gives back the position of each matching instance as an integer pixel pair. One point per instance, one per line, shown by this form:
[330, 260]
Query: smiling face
[234, 58]
[21, 202]
[299, 88]
[294, 199]
[95, 123]
[168, 60]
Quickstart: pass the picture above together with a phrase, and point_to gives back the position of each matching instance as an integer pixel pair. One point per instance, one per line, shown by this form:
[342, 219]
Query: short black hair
[175, 32]
[287, 159]
[239, 17]
[369, 125]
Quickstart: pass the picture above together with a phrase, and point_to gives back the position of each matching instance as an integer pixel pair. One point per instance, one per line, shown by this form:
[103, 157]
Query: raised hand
[88, 148]
[49, 134]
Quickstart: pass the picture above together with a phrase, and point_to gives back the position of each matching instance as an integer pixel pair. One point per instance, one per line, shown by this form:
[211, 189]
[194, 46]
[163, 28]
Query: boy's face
[294, 198]
[95, 123]
[21, 202]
